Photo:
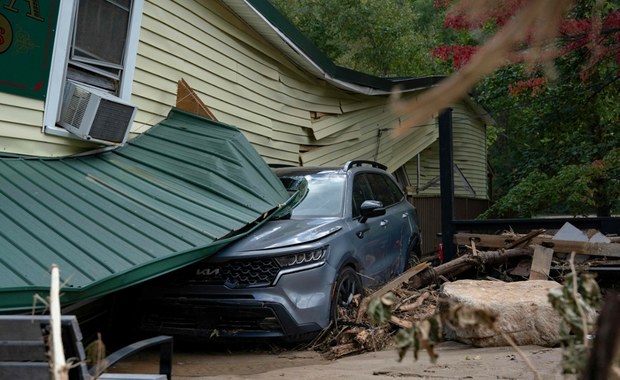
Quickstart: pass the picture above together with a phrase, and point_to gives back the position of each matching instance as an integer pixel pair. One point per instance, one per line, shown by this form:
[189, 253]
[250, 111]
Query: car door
[378, 244]
[395, 224]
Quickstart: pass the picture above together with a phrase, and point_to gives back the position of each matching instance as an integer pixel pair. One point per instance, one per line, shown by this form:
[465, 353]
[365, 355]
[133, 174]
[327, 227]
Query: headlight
[303, 258]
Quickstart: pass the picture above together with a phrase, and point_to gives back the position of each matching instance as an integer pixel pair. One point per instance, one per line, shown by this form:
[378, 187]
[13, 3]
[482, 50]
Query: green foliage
[555, 123]
[424, 335]
[380, 309]
[387, 38]
[576, 301]
[574, 189]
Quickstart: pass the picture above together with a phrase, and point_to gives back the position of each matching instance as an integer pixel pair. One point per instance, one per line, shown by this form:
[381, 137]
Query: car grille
[237, 273]
[198, 320]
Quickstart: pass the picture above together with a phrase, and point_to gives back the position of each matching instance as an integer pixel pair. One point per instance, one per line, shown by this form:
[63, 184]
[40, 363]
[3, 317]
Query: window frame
[60, 60]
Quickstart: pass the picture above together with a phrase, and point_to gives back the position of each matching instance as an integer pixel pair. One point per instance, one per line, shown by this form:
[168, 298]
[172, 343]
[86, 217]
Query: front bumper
[299, 304]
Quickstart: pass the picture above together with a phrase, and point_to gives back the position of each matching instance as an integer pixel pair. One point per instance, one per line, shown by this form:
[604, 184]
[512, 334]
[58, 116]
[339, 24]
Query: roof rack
[277, 166]
[349, 164]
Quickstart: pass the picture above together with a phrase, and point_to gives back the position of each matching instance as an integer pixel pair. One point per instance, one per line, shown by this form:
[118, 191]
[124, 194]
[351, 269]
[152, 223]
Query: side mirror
[371, 209]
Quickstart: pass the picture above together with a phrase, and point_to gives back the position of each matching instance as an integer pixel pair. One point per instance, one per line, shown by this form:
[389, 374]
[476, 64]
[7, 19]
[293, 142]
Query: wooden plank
[564, 246]
[395, 283]
[541, 263]
[525, 238]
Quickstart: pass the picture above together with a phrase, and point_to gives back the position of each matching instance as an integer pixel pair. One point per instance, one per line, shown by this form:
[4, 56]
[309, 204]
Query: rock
[522, 308]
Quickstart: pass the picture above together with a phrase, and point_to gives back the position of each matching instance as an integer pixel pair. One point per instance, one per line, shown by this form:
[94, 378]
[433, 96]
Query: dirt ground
[456, 361]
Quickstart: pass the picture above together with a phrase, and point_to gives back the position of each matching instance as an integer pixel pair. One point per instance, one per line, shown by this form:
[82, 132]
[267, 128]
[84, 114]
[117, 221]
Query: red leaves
[459, 55]
[532, 86]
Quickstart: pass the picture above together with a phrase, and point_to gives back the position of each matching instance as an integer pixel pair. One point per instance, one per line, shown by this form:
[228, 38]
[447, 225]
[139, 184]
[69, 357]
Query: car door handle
[360, 234]
[384, 222]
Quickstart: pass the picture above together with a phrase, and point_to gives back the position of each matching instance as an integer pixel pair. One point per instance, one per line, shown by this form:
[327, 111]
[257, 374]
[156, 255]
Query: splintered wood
[416, 290]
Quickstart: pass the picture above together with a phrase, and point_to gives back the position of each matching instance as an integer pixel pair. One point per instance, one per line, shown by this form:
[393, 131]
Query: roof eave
[279, 31]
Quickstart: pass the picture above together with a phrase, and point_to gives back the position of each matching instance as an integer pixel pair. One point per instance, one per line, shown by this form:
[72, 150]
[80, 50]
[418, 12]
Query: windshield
[325, 194]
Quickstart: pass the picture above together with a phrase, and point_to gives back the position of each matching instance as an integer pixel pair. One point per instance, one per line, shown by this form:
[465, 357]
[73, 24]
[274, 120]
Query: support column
[446, 178]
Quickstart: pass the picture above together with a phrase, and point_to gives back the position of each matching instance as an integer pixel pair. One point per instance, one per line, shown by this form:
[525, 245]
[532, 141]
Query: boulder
[522, 308]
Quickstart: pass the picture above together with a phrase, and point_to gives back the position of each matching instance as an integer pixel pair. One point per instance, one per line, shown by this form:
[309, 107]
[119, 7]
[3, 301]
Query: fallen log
[464, 263]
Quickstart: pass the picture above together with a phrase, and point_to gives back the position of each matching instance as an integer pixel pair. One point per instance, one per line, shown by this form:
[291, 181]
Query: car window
[361, 192]
[325, 195]
[384, 189]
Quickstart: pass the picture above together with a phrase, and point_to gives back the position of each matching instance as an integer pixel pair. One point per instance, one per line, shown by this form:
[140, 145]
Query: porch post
[446, 185]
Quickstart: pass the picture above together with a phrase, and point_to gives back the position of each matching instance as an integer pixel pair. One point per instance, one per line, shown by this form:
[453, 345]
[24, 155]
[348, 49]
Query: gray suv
[352, 228]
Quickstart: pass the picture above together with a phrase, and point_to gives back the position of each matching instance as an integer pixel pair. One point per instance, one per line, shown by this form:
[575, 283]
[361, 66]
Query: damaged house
[136, 135]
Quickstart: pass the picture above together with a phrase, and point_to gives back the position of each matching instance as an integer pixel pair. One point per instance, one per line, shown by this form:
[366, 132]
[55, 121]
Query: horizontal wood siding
[287, 114]
[469, 154]
[247, 83]
[242, 79]
[21, 130]
[469, 145]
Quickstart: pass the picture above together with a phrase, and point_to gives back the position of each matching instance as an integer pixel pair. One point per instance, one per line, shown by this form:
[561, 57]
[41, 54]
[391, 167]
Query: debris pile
[414, 296]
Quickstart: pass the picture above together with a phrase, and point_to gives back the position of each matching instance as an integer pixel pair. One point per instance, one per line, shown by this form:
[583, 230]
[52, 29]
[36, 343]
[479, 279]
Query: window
[324, 198]
[361, 193]
[97, 48]
[96, 43]
[384, 189]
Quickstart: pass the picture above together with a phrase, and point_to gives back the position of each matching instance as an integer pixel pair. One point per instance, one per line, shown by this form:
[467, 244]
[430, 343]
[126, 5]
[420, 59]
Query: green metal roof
[170, 197]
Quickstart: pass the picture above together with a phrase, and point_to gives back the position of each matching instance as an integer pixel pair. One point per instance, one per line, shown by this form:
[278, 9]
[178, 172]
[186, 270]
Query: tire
[347, 285]
[414, 256]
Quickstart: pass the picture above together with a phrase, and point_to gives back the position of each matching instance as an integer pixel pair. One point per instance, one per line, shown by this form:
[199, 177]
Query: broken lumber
[525, 239]
[395, 283]
[541, 263]
[423, 274]
[559, 246]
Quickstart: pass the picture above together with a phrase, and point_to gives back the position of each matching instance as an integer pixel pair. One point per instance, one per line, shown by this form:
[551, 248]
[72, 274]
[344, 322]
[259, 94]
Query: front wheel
[414, 255]
[348, 284]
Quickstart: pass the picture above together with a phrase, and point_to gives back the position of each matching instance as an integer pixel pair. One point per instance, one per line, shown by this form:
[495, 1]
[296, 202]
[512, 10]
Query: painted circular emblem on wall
[6, 34]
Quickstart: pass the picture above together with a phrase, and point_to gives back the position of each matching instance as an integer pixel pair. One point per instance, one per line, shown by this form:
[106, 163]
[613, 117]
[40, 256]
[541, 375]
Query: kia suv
[351, 228]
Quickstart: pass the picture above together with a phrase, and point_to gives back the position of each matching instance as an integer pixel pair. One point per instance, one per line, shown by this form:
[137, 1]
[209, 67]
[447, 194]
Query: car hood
[283, 233]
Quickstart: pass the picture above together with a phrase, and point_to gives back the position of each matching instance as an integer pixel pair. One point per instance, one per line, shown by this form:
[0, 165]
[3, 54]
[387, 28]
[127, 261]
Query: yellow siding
[247, 83]
[469, 154]
[21, 130]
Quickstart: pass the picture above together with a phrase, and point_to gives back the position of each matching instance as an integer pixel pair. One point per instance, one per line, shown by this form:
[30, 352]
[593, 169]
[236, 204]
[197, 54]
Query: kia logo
[208, 272]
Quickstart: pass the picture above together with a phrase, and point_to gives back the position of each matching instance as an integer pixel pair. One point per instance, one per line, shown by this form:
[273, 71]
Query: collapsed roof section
[170, 197]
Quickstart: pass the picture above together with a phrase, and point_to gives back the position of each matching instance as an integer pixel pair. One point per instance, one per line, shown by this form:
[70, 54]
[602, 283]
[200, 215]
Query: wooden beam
[565, 246]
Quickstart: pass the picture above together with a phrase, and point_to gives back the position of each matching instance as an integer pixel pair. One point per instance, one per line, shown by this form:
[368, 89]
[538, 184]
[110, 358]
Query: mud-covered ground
[456, 361]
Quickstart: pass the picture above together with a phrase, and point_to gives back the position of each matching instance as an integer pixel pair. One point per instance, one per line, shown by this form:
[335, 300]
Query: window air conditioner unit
[95, 115]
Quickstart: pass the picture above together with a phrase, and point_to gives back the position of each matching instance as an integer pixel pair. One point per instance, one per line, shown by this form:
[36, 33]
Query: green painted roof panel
[170, 197]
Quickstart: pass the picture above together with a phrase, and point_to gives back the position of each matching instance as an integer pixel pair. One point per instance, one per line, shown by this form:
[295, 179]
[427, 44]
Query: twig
[521, 353]
[415, 305]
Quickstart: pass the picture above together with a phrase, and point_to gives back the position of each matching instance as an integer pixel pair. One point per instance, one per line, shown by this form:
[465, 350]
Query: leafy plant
[576, 301]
